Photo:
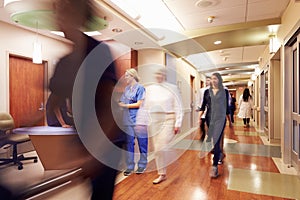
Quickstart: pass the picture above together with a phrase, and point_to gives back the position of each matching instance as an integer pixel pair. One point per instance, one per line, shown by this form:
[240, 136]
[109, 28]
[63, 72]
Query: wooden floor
[188, 177]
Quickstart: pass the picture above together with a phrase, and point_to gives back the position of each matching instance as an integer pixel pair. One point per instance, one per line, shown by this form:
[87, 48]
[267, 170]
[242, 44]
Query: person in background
[203, 117]
[232, 107]
[163, 102]
[141, 130]
[71, 18]
[245, 107]
[218, 110]
[131, 101]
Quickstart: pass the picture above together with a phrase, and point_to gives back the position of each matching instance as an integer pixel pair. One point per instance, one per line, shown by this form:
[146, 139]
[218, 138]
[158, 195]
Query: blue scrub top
[132, 96]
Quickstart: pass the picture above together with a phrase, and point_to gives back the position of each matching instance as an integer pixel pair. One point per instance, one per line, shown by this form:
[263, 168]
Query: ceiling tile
[198, 20]
[257, 10]
[252, 53]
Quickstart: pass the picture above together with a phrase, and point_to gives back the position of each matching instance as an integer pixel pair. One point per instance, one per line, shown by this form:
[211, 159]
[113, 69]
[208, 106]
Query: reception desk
[57, 147]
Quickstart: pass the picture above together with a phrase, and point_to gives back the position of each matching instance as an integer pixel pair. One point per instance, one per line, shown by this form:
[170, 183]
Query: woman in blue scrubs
[131, 101]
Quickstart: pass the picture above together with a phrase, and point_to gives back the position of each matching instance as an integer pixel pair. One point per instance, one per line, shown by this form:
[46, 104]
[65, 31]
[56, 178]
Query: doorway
[26, 91]
[192, 104]
[291, 94]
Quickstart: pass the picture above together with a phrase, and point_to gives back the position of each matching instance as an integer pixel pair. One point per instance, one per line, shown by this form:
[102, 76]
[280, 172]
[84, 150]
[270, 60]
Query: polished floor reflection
[252, 169]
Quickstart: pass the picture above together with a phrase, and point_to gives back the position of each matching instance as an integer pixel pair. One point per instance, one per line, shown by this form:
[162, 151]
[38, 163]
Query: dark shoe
[214, 172]
[127, 172]
[222, 156]
[140, 170]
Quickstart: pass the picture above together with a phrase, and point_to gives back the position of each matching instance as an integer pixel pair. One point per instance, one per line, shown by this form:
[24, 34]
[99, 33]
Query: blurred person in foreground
[59, 116]
[164, 105]
[71, 18]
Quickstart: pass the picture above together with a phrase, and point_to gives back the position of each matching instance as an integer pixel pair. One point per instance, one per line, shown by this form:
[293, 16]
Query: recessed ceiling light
[210, 19]
[117, 30]
[227, 68]
[138, 43]
[206, 3]
[217, 42]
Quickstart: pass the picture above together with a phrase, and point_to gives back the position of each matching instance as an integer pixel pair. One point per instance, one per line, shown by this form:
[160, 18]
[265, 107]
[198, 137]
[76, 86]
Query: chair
[7, 139]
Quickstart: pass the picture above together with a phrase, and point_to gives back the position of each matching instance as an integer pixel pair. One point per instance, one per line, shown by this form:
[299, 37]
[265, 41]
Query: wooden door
[26, 91]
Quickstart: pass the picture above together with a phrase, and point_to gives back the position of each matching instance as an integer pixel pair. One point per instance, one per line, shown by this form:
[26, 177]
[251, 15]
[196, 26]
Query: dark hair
[246, 94]
[218, 75]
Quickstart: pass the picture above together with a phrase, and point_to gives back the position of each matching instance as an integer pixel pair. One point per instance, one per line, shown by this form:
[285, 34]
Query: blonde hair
[134, 74]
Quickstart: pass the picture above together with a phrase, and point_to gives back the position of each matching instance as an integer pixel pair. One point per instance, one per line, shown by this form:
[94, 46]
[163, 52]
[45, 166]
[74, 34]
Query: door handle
[42, 107]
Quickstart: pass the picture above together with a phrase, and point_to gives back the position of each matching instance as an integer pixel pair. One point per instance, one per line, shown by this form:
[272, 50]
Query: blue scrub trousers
[142, 138]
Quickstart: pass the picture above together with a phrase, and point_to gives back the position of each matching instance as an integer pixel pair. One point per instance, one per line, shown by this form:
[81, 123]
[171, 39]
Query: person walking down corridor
[203, 115]
[131, 100]
[232, 107]
[245, 107]
[218, 110]
[164, 105]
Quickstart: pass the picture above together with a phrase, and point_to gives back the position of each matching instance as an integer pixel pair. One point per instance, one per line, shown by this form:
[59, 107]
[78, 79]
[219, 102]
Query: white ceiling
[242, 25]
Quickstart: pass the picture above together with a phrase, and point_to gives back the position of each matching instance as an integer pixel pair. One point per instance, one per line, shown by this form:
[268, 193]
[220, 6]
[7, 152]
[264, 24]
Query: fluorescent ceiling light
[127, 7]
[218, 42]
[58, 33]
[153, 15]
[9, 1]
[252, 66]
[92, 33]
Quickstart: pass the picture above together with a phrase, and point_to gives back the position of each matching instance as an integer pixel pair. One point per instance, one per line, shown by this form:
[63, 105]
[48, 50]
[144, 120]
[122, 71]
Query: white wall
[290, 22]
[148, 57]
[18, 41]
[183, 73]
